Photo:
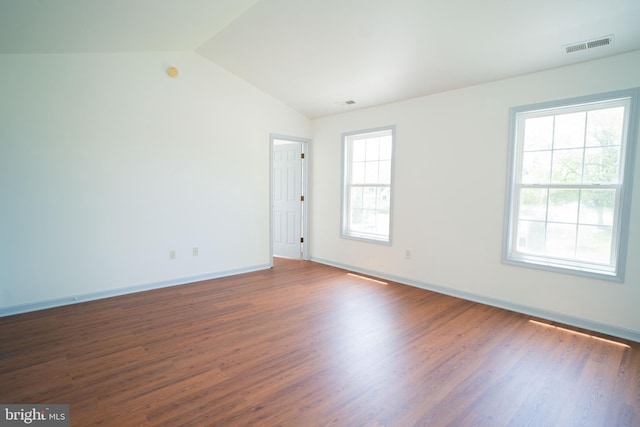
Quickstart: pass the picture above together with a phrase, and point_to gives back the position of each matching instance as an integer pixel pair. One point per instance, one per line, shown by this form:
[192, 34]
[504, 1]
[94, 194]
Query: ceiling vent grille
[601, 42]
[590, 44]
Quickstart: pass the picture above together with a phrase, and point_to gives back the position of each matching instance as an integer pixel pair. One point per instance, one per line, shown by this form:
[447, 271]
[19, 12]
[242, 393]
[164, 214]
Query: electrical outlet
[195, 252]
[172, 254]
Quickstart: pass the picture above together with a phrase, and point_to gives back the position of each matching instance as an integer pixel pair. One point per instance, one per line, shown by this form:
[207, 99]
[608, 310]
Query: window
[367, 179]
[571, 166]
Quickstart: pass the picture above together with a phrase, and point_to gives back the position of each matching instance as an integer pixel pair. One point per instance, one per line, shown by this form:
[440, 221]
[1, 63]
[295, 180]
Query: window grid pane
[368, 165]
[567, 185]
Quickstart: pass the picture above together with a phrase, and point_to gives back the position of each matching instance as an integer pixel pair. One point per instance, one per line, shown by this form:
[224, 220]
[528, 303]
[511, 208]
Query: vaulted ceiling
[316, 54]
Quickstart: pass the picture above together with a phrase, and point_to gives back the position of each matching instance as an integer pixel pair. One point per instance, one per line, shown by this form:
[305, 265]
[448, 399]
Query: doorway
[289, 197]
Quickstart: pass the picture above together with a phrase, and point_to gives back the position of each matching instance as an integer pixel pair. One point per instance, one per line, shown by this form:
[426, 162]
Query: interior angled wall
[450, 181]
[107, 164]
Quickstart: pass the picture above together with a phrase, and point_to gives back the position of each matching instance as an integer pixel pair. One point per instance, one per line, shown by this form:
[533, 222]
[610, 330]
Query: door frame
[306, 150]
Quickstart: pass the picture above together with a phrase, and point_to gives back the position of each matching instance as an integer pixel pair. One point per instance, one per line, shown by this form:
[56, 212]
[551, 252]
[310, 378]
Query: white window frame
[615, 269]
[347, 184]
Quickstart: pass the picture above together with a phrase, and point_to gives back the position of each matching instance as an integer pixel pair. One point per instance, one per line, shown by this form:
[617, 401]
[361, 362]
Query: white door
[287, 199]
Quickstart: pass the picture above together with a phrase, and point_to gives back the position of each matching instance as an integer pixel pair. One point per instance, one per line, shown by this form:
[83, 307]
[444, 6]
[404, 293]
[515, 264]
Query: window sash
[575, 262]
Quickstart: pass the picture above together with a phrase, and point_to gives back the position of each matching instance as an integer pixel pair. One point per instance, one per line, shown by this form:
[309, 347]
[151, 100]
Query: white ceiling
[315, 54]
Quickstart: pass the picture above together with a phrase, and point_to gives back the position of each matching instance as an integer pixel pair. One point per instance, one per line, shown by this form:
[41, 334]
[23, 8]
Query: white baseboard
[74, 299]
[578, 322]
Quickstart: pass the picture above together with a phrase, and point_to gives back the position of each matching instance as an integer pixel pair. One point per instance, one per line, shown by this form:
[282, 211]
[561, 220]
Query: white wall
[450, 180]
[107, 164]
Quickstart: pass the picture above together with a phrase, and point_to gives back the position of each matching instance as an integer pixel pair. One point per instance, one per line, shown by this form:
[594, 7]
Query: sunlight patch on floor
[367, 278]
[582, 334]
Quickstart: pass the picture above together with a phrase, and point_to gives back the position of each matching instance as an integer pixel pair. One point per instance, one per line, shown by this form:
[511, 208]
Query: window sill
[557, 267]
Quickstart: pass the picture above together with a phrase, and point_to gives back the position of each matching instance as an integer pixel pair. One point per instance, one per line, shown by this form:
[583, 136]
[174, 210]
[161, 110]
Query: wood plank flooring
[304, 344]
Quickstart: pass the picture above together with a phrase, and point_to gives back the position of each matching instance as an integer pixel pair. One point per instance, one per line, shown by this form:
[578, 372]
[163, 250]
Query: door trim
[306, 150]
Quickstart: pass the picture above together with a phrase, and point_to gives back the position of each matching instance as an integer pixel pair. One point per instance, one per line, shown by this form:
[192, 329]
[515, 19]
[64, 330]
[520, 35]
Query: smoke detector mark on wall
[589, 44]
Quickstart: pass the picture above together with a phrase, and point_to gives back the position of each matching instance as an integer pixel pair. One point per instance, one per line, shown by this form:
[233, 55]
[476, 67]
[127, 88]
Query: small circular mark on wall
[172, 72]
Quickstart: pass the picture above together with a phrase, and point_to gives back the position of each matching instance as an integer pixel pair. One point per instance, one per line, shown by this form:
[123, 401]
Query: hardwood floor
[305, 344]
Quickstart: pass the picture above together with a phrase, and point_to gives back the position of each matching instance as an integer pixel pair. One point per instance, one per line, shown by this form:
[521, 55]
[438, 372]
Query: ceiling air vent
[590, 44]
